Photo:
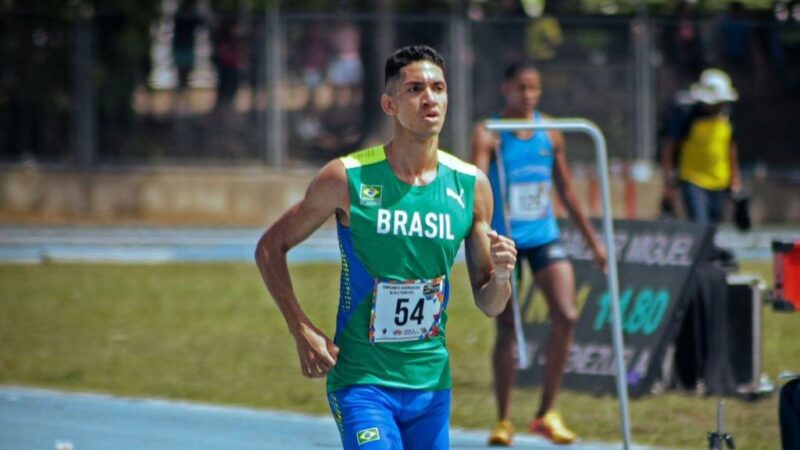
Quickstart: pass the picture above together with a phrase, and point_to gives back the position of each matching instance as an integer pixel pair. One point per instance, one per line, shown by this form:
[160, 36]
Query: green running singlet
[397, 255]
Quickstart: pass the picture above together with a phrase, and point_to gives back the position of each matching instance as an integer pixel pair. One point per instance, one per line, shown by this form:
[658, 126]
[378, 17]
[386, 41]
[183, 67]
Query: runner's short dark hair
[407, 55]
[518, 66]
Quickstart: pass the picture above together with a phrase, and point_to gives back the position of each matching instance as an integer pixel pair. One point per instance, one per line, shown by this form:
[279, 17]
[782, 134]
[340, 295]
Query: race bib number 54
[406, 310]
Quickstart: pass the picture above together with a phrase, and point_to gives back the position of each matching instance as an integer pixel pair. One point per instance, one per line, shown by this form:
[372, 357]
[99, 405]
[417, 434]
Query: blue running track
[36, 419]
[153, 244]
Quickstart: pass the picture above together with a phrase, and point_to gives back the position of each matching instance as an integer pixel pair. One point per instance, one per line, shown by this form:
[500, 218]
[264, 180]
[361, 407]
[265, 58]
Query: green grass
[209, 332]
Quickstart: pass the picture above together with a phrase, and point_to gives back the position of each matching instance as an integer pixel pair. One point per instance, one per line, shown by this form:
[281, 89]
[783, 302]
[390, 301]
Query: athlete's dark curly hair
[407, 55]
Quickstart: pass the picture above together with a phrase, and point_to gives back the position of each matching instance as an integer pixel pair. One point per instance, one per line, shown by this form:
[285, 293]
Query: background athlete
[402, 211]
[531, 163]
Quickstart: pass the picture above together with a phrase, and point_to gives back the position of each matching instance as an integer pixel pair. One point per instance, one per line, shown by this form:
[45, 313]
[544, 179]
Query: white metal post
[522, 345]
[276, 144]
[588, 127]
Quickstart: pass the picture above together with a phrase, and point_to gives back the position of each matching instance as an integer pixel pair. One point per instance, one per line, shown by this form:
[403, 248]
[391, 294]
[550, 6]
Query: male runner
[402, 211]
[531, 163]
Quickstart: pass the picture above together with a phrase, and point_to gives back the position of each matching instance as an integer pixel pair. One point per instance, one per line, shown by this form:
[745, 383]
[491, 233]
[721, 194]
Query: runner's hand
[600, 256]
[316, 351]
[504, 255]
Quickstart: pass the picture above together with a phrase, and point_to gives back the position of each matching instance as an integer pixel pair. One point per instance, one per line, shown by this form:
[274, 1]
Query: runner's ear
[388, 106]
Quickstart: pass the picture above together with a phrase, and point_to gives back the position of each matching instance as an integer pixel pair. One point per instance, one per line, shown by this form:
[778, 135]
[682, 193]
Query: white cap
[714, 87]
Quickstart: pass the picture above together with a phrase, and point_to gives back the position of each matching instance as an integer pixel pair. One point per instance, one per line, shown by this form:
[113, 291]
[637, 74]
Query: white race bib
[529, 201]
[406, 310]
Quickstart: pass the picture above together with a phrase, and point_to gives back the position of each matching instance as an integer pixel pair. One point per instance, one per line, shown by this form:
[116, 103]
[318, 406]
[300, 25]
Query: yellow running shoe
[502, 434]
[552, 427]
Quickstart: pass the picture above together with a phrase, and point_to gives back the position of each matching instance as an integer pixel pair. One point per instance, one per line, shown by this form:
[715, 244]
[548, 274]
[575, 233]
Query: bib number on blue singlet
[529, 201]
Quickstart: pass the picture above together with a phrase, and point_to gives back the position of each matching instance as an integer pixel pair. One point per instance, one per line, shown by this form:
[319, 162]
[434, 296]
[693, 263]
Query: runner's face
[523, 91]
[420, 98]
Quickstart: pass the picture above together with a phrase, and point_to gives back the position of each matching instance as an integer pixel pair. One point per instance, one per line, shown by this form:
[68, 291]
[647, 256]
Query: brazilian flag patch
[368, 435]
[370, 194]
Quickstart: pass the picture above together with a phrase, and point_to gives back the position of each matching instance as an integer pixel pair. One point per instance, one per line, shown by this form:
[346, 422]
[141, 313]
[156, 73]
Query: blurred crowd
[198, 85]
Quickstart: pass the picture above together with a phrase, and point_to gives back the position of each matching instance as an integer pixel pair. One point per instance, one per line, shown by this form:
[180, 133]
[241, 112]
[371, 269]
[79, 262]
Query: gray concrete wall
[169, 195]
[254, 196]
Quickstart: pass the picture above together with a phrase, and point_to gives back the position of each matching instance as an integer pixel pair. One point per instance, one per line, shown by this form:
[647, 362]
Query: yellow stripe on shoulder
[364, 157]
[456, 164]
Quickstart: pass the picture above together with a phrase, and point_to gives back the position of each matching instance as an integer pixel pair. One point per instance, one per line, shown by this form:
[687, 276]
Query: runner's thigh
[427, 420]
[365, 416]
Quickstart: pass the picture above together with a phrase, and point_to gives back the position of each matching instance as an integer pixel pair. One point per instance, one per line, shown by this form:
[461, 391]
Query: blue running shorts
[378, 418]
[543, 256]
[539, 258]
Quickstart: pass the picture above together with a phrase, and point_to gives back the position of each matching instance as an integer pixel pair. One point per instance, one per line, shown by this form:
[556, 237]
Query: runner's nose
[428, 96]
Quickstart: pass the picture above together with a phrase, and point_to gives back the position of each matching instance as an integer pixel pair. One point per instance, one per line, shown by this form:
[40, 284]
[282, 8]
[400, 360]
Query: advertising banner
[655, 262]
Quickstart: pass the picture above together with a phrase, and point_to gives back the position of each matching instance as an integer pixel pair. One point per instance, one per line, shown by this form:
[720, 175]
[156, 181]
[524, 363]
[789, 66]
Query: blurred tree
[34, 83]
[37, 56]
[38, 51]
[122, 62]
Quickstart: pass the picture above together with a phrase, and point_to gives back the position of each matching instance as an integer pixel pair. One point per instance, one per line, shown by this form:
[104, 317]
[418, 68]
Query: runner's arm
[326, 195]
[563, 183]
[490, 257]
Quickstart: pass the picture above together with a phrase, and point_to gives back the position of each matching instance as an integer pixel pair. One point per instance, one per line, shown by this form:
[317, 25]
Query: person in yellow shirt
[702, 141]
[543, 38]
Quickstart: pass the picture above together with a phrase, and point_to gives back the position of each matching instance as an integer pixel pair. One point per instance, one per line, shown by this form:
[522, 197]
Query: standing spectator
[345, 72]
[228, 57]
[701, 138]
[187, 22]
[683, 43]
[313, 60]
[543, 36]
[785, 43]
[257, 62]
[737, 39]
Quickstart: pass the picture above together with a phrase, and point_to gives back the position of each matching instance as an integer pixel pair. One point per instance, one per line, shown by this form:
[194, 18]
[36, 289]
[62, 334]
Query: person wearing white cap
[702, 141]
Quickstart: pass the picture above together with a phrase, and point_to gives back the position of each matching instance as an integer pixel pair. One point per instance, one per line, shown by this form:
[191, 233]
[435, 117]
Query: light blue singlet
[528, 178]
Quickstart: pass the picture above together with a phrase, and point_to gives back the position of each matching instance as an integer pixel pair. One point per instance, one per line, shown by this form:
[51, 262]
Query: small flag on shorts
[368, 435]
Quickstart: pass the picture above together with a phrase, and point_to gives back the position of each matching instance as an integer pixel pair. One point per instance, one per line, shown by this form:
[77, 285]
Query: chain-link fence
[301, 88]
